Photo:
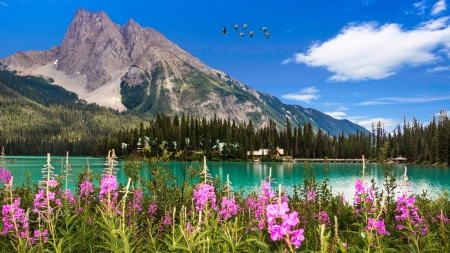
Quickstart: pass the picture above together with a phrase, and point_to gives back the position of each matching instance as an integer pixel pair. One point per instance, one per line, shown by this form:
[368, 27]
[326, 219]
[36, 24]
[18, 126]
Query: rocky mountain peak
[92, 47]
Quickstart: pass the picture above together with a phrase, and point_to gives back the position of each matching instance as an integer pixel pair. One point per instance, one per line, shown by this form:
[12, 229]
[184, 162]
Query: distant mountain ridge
[135, 68]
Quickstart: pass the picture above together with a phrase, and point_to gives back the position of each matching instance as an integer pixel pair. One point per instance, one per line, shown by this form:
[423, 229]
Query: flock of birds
[236, 27]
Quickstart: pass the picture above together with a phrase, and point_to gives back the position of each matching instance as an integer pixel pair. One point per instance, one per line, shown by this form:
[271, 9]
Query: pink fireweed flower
[443, 218]
[377, 225]
[251, 203]
[264, 199]
[266, 192]
[136, 202]
[68, 196]
[109, 193]
[38, 235]
[86, 189]
[297, 237]
[280, 223]
[275, 211]
[203, 194]
[108, 186]
[290, 220]
[45, 202]
[322, 217]
[363, 191]
[13, 216]
[5, 176]
[152, 210]
[409, 212]
[311, 196]
[167, 219]
[276, 233]
[52, 183]
[229, 208]
[86, 192]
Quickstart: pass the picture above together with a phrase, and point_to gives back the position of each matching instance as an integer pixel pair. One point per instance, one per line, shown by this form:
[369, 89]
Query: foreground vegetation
[155, 212]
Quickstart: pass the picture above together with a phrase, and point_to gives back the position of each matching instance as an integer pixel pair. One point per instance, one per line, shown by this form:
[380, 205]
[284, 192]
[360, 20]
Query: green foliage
[132, 96]
[28, 128]
[37, 89]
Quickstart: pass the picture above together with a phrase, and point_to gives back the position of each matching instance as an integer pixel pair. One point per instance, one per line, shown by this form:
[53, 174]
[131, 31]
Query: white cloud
[373, 103]
[438, 7]
[388, 123]
[371, 51]
[404, 100]
[330, 104]
[309, 90]
[439, 68]
[338, 113]
[305, 95]
[434, 24]
[287, 60]
[4, 4]
[418, 8]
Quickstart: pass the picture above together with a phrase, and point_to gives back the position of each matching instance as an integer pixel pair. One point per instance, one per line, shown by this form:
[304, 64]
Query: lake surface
[248, 175]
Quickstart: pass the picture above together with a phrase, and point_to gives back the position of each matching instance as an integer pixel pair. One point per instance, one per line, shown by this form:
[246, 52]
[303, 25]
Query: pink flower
[203, 194]
[311, 196]
[297, 237]
[409, 212]
[5, 176]
[69, 197]
[86, 189]
[229, 208]
[377, 225]
[13, 214]
[108, 186]
[275, 232]
[363, 191]
[152, 210]
[280, 222]
[167, 219]
[52, 183]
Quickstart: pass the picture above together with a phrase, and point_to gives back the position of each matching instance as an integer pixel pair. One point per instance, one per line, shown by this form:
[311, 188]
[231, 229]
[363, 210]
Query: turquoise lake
[248, 175]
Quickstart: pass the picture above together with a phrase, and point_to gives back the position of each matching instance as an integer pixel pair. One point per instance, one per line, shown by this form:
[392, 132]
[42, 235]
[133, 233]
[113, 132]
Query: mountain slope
[37, 118]
[135, 68]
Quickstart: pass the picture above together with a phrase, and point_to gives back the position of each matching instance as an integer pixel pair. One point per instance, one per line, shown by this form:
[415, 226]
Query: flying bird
[236, 26]
[251, 33]
[224, 31]
[245, 26]
[241, 34]
[264, 29]
[267, 35]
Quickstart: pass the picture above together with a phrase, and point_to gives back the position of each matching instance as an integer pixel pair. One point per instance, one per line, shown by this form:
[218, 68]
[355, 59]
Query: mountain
[138, 69]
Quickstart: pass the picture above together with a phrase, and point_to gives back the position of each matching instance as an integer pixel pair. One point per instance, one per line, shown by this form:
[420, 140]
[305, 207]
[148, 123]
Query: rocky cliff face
[94, 47]
[135, 68]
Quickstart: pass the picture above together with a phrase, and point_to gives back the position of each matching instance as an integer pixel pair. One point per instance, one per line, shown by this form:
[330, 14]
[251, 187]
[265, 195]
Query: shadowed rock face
[97, 56]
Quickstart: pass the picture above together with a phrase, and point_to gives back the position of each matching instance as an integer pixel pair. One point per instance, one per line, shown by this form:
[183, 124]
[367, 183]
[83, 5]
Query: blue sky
[366, 61]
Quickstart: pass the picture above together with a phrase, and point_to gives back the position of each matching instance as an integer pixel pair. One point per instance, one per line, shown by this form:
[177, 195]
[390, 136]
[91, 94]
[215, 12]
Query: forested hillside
[417, 143]
[37, 118]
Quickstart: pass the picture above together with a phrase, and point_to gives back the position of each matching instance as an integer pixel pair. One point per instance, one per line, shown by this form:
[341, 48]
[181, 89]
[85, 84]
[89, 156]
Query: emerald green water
[248, 175]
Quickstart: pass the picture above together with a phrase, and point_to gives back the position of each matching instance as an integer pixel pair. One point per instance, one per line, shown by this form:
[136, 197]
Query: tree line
[416, 142]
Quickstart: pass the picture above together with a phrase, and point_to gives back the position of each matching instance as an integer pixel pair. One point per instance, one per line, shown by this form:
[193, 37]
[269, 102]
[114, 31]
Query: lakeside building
[257, 154]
